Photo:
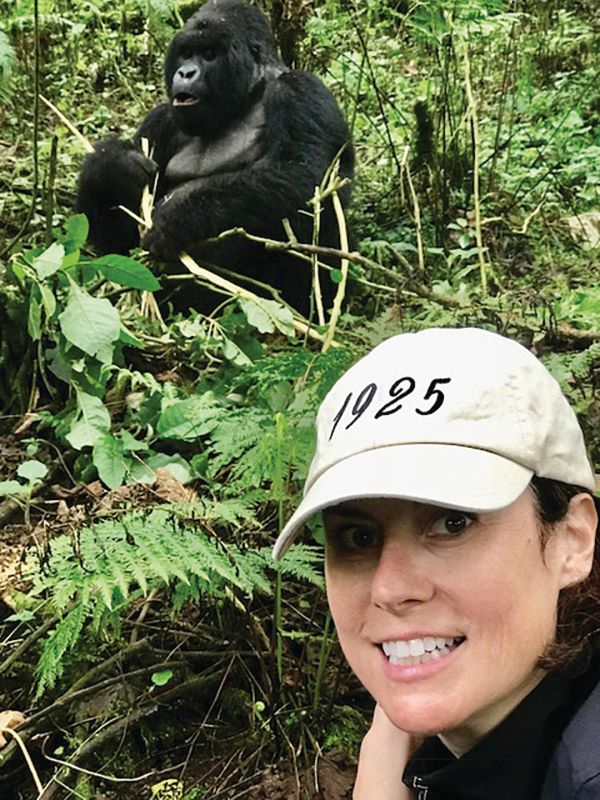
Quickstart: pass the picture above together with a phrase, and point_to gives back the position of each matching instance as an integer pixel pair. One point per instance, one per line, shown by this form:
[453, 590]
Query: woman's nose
[401, 577]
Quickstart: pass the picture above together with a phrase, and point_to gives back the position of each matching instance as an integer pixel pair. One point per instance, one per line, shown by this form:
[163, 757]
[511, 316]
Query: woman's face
[443, 614]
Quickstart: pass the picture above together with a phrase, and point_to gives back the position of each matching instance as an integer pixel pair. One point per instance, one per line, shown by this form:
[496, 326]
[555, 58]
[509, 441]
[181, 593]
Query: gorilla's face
[214, 63]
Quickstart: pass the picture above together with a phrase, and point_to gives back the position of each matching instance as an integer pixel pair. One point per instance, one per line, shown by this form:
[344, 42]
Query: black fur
[243, 141]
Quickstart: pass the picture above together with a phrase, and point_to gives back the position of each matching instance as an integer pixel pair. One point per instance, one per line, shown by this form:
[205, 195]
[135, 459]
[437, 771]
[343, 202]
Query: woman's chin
[421, 718]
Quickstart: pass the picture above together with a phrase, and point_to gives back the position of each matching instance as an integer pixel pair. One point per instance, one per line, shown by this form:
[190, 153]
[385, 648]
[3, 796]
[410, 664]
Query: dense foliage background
[149, 457]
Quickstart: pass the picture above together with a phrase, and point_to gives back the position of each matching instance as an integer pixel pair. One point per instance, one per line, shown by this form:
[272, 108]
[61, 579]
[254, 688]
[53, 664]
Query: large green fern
[117, 560]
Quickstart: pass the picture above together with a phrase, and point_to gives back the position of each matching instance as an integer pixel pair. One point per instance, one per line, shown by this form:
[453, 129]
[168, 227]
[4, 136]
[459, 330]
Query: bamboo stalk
[344, 263]
[234, 289]
[472, 104]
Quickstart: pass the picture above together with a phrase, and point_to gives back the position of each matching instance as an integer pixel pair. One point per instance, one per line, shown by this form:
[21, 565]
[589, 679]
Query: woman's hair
[578, 612]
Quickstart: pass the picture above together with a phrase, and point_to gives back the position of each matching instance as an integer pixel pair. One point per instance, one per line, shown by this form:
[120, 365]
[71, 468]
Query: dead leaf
[169, 489]
[9, 720]
[585, 229]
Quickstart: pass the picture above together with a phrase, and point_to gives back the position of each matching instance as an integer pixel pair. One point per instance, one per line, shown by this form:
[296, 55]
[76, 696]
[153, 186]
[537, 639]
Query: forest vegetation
[149, 646]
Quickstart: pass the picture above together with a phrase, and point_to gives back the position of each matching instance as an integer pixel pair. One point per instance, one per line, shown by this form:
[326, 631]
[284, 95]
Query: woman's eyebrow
[346, 511]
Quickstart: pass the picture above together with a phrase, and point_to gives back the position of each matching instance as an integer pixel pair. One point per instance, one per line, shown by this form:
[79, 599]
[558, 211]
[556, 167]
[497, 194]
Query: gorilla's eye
[209, 54]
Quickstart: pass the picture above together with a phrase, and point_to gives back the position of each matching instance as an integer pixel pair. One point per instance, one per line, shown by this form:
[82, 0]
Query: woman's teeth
[418, 651]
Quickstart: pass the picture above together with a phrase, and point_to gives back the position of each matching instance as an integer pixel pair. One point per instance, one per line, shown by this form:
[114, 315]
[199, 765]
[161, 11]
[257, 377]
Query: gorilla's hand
[113, 175]
[167, 238]
[121, 170]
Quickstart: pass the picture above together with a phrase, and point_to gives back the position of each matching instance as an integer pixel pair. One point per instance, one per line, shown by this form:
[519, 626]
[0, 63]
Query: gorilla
[242, 141]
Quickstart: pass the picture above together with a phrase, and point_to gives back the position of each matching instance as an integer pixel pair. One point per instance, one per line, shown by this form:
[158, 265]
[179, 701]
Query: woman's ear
[577, 537]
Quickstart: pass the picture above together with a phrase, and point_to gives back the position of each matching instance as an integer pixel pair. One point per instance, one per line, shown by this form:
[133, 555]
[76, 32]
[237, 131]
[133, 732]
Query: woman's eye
[355, 538]
[452, 523]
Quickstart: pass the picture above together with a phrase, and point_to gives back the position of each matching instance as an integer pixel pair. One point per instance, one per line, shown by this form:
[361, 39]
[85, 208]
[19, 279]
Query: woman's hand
[384, 753]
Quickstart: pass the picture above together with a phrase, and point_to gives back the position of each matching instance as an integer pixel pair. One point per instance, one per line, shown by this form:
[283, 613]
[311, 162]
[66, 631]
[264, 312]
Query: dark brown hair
[578, 612]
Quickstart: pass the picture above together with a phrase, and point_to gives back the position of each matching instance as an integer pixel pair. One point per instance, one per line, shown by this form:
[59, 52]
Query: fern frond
[303, 561]
[117, 560]
[57, 643]
[256, 565]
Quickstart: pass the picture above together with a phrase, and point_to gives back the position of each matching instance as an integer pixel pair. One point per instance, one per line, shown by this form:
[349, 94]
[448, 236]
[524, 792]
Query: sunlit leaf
[93, 421]
[90, 323]
[50, 261]
[32, 470]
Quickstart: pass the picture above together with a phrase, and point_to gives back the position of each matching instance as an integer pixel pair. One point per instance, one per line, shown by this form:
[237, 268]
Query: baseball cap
[456, 417]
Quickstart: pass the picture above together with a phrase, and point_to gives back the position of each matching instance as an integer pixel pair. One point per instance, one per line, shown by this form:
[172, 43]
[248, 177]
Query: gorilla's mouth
[183, 99]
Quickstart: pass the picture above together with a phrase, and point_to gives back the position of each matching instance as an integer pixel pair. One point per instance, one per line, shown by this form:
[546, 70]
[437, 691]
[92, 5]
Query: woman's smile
[420, 650]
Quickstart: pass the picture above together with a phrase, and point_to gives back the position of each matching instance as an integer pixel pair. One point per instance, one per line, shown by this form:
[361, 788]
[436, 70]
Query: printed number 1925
[398, 391]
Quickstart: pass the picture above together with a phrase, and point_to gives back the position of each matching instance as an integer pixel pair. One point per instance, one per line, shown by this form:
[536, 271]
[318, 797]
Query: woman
[461, 570]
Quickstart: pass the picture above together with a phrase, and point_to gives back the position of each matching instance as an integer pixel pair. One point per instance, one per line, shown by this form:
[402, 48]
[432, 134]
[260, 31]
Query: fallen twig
[100, 738]
[21, 744]
[234, 289]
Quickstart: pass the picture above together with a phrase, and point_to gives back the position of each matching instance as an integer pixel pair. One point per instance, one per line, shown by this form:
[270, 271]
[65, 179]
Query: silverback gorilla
[243, 141]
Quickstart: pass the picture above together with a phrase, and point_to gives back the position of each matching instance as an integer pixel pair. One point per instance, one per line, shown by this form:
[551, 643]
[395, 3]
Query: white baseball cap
[461, 418]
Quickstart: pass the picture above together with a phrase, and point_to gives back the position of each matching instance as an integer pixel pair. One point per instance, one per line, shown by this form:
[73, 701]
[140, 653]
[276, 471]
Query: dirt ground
[332, 778]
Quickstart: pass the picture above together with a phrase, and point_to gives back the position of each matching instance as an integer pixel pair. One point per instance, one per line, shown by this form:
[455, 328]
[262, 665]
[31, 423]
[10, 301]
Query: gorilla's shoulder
[157, 122]
[305, 99]
[163, 133]
[298, 81]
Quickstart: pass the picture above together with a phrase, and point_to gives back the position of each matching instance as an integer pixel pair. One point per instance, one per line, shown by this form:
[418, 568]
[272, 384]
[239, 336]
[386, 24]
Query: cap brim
[450, 476]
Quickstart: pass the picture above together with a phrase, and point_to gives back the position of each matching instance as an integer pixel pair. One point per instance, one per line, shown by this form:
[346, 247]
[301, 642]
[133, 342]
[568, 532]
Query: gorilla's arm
[304, 132]
[115, 174]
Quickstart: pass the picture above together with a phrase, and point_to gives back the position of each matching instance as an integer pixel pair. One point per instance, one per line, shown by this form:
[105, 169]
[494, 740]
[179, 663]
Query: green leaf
[279, 395]
[32, 470]
[34, 318]
[161, 678]
[77, 229]
[12, 487]
[127, 338]
[235, 354]
[93, 421]
[91, 324]
[127, 272]
[48, 300]
[267, 315]
[175, 464]
[50, 261]
[130, 443]
[21, 616]
[70, 260]
[105, 354]
[109, 459]
[189, 419]
[139, 472]
[58, 363]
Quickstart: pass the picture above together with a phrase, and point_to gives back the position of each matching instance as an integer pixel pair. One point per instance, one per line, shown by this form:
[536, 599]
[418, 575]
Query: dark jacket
[574, 771]
[548, 748]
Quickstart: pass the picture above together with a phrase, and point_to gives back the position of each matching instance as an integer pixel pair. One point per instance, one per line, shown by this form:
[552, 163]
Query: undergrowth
[475, 203]
[114, 562]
